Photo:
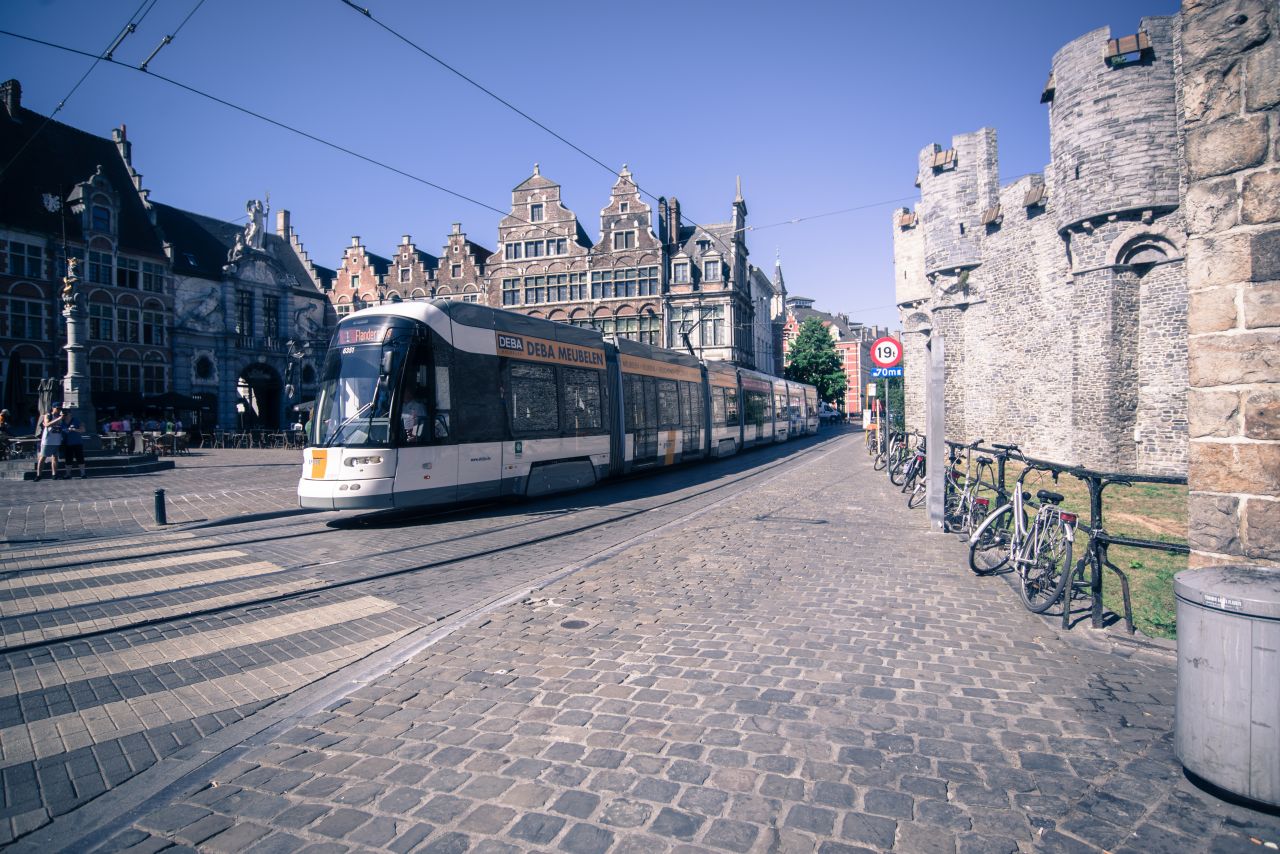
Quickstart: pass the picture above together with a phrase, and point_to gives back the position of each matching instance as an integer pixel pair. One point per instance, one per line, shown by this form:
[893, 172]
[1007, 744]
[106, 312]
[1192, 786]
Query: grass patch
[1147, 511]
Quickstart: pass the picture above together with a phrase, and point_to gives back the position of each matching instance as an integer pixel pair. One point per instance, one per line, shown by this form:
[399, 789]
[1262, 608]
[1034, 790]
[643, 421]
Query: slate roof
[59, 158]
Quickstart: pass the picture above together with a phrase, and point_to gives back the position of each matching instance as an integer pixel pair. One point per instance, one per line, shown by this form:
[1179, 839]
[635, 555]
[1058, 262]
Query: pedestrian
[73, 447]
[50, 440]
[6, 433]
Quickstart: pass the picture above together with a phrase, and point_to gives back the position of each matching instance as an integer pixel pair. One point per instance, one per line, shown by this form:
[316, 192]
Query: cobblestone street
[801, 667]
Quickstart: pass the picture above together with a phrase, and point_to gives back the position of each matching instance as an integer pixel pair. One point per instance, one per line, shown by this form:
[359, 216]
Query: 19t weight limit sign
[886, 352]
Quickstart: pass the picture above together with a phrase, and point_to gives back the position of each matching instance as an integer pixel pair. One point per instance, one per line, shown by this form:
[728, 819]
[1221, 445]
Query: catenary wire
[128, 28]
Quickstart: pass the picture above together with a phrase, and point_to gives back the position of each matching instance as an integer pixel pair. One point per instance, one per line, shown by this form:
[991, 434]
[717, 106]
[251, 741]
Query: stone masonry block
[1226, 146]
[1211, 206]
[1262, 77]
[1212, 310]
[1213, 413]
[1213, 523]
[1218, 260]
[1212, 93]
[1253, 357]
[1234, 467]
[1261, 304]
[1262, 414]
[1260, 197]
[1222, 31]
[1262, 529]
[1264, 261]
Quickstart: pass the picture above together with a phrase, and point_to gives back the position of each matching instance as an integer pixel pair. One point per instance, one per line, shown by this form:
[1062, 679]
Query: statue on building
[253, 230]
[306, 321]
[201, 313]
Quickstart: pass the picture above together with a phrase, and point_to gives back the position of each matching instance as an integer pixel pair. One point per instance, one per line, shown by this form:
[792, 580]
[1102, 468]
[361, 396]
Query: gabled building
[462, 268]
[626, 268]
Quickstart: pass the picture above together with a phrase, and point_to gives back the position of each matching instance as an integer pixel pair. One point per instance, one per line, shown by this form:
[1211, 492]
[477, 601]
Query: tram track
[322, 586]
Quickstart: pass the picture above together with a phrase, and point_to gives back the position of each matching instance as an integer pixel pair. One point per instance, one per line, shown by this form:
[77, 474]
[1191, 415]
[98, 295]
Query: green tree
[813, 359]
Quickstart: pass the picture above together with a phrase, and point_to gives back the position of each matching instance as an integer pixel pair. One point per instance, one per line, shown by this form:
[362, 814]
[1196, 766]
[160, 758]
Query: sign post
[886, 361]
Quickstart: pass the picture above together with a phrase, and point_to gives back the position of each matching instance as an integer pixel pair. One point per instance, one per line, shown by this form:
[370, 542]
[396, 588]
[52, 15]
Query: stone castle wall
[1064, 308]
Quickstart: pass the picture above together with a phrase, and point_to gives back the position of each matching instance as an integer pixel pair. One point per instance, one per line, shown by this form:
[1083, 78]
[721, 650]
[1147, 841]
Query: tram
[445, 402]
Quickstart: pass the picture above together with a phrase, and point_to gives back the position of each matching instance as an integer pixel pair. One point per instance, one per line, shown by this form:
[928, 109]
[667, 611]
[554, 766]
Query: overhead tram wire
[170, 37]
[130, 26]
[305, 134]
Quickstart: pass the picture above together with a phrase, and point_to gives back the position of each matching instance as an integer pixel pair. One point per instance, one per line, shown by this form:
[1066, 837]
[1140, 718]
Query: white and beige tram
[436, 403]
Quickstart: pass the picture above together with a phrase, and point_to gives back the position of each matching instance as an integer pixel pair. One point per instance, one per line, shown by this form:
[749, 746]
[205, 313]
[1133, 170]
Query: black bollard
[160, 515]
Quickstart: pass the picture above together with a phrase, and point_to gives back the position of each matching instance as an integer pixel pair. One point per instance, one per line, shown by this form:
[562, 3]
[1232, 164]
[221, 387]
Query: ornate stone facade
[1061, 297]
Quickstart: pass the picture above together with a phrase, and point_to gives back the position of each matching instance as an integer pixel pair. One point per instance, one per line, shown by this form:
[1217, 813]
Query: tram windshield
[361, 376]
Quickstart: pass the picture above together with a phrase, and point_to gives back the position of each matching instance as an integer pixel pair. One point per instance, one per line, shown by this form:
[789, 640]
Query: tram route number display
[543, 350]
[886, 352]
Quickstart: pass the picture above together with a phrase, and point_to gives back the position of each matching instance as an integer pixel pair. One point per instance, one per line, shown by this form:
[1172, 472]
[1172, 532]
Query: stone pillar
[1231, 56]
[935, 432]
[77, 398]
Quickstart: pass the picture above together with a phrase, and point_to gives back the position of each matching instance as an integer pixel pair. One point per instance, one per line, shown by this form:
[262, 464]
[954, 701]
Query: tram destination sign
[886, 373]
[544, 350]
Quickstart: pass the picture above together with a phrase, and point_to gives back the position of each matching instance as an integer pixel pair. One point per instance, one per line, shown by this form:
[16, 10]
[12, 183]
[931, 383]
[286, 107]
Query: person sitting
[413, 414]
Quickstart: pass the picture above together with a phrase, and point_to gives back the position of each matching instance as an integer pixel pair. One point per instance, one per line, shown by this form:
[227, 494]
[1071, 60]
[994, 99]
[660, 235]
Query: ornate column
[77, 398]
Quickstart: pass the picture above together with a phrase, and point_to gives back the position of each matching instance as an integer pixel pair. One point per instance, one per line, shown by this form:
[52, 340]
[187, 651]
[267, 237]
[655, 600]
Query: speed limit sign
[886, 352]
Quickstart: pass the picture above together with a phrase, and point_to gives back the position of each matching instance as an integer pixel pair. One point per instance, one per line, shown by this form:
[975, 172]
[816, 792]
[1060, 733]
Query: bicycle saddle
[986, 461]
[1049, 497]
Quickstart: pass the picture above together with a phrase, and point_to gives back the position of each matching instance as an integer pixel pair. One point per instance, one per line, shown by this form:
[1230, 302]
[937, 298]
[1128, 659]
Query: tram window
[475, 410]
[731, 406]
[717, 407]
[757, 402]
[668, 405]
[641, 411]
[533, 399]
[582, 406]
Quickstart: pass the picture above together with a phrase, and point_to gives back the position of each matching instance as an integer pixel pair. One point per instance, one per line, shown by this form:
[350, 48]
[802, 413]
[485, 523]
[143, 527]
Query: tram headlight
[363, 461]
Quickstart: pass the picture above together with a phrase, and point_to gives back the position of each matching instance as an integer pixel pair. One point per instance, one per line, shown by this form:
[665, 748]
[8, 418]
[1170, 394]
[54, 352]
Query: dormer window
[624, 240]
[711, 271]
[704, 246]
[101, 218]
[680, 272]
[535, 213]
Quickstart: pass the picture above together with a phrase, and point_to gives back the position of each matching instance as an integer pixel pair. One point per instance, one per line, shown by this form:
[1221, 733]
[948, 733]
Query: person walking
[73, 447]
[50, 440]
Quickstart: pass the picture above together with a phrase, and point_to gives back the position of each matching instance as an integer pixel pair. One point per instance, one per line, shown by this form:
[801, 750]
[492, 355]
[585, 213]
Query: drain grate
[574, 624]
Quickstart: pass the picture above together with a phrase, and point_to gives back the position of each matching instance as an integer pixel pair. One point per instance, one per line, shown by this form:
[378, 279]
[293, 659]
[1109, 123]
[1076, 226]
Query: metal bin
[1227, 729]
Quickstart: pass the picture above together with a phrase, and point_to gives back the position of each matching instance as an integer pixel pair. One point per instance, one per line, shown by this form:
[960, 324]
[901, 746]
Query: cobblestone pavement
[205, 485]
[802, 667]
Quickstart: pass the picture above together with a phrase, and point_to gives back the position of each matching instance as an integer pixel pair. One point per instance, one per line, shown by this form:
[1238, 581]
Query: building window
[471, 298]
[711, 271]
[343, 309]
[624, 207]
[355, 281]
[25, 259]
[624, 240]
[680, 272]
[533, 249]
[100, 267]
[102, 375]
[455, 271]
[271, 316]
[128, 273]
[102, 319]
[244, 312]
[713, 320]
[404, 274]
[101, 218]
[510, 291]
[650, 326]
[128, 325]
[152, 277]
[26, 318]
[704, 246]
[129, 377]
[153, 328]
[153, 379]
[535, 213]
[513, 251]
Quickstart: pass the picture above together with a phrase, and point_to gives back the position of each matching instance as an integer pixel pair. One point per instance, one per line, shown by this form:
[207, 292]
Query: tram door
[690, 419]
[642, 413]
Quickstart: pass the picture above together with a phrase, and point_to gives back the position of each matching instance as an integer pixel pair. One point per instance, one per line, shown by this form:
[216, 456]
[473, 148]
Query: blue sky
[819, 106]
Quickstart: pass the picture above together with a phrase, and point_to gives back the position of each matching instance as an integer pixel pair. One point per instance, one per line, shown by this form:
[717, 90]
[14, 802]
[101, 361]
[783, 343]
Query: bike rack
[1099, 539]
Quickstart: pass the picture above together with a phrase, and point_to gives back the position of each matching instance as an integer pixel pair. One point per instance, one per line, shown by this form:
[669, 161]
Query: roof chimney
[11, 94]
[120, 137]
[404, 241]
[282, 223]
[457, 228]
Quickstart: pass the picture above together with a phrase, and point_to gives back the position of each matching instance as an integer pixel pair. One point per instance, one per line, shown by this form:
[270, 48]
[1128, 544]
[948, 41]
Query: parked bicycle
[1038, 549]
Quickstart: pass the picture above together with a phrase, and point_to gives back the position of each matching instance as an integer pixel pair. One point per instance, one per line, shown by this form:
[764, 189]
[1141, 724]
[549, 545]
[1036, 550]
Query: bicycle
[913, 478]
[1040, 551]
[884, 449]
[900, 457]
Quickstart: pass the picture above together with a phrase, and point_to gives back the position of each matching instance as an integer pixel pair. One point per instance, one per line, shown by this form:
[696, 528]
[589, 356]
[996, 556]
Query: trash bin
[1227, 728]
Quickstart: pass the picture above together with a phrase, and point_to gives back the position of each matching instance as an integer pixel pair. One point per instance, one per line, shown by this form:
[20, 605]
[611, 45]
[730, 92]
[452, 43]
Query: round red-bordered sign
[886, 352]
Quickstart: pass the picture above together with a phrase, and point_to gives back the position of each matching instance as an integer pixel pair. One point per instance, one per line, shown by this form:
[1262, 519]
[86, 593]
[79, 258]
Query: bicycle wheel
[897, 469]
[990, 552]
[911, 475]
[918, 492]
[880, 461]
[953, 512]
[1045, 578]
[975, 513]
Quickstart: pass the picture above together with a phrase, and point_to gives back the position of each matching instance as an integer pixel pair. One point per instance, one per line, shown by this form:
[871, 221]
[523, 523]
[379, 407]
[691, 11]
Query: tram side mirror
[385, 367]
